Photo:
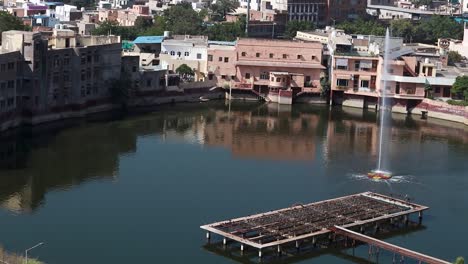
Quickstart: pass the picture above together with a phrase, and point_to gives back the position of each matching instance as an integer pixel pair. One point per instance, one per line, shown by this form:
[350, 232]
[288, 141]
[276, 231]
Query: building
[358, 79]
[278, 70]
[64, 73]
[128, 17]
[10, 72]
[221, 59]
[189, 50]
[68, 13]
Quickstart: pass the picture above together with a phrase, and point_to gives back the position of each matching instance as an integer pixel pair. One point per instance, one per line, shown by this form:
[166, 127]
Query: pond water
[137, 189]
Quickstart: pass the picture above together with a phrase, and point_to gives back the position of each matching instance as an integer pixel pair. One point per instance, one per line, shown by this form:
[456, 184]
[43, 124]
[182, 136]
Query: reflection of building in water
[60, 161]
[346, 137]
[271, 137]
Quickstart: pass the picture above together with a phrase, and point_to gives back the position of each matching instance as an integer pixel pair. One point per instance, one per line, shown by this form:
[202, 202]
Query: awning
[343, 77]
[342, 62]
[364, 78]
[365, 64]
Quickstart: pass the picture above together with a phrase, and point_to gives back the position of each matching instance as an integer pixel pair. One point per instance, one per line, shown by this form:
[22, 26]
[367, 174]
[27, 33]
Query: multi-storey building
[278, 70]
[66, 72]
[9, 82]
[221, 59]
[358, 77]
[189, 50]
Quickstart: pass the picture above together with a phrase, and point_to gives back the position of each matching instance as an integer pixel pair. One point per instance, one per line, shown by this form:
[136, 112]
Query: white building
[62, 13]
[189, 50]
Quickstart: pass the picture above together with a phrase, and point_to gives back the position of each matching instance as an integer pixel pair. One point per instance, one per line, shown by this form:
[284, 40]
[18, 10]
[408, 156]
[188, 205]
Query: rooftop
[149, 40]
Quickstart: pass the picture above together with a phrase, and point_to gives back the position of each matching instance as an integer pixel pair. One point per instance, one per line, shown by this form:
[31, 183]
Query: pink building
[140, 9]
[108, 15]
[358, 80]
[221, 59]
[278, 70]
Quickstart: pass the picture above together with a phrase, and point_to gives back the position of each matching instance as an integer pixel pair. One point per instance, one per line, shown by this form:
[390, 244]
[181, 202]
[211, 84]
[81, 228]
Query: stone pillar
[208, 235]
[224, 241]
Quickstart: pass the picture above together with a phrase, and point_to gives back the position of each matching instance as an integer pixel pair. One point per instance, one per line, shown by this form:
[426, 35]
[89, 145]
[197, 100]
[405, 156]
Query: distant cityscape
[61, 68]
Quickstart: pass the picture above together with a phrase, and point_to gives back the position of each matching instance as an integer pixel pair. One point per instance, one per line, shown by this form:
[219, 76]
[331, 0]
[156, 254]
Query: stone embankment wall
[146, 100]
[442, 110]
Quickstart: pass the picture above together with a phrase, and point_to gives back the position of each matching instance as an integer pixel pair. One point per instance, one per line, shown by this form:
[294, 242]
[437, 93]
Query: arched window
[172, 53]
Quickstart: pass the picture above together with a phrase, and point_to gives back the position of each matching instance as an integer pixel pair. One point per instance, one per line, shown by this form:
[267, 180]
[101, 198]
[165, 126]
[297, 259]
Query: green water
[136, 190]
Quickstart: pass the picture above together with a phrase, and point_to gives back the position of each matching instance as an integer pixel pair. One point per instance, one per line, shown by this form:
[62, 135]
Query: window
[271, 55]
[342, 82]
[134, 69]
[243, 54]
[247, 75]
[357, 65]
[179, 54]
[11, 65]
[2, 67]
[172, 53]
[11, 84]
[314, 58]
[88, 59]
[220, 59]
[364, 84]
[83, 60]
[148, 83]
[223, 76]
[210, 57]
[278, 79]
[264, 76]
[340, 67]
[390, 70]
[66, 61]
[199, 56]
[437, 89]
[285, 56]
[299, 56]
[257, 55]
[226, 59]
[96, 58]
[186, 54]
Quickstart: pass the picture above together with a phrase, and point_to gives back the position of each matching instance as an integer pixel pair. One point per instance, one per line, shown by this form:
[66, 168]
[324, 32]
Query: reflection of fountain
[382, 173]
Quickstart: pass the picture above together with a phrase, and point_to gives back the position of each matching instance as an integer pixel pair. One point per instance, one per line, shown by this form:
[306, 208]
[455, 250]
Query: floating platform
[301, 222]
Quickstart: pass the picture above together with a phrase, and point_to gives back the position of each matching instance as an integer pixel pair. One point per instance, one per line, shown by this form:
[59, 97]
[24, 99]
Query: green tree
[402, 28]
[221, 8]
[454, 57]
[459, 260]
[293, 26]
[435, 27]
[182, 19]
[361, 26]
[142, 23]
[185, 72]
[112, 27]
[419, 3]
[10, 22]
[460, 87]
[226, 31]
[157, 29]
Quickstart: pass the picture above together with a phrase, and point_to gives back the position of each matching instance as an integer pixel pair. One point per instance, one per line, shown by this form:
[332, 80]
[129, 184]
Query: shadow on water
[291, 255]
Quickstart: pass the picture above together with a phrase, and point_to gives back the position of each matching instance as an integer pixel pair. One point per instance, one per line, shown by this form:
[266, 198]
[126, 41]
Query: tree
[221, 8]
[185, 72]
[119, 90]
[10, 22]
[182, 19]
[459, 260]
[142, 23]
[361, 26]
[460, 87]
[403, 28]
[226, 31]
[454, 57]
[112, 27]
[157, 29]
[325, 84]
[435, 27]
[293, 26]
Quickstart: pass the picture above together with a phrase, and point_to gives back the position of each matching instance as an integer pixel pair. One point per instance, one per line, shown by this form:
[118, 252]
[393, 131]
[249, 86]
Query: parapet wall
[443, 110]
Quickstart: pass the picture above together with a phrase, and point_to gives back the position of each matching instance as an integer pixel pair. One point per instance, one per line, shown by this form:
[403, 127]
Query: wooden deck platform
[307, 221]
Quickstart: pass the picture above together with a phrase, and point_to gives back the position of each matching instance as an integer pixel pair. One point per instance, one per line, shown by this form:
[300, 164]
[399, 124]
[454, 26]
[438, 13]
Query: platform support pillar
[260, 253]
[297, 245]
[224, 241]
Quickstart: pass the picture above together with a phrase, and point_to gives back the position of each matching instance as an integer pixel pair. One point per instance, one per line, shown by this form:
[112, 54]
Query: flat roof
[149, 40]
[304, 221]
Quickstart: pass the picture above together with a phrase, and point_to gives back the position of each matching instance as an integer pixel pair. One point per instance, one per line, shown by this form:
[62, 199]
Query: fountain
[382, 173]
